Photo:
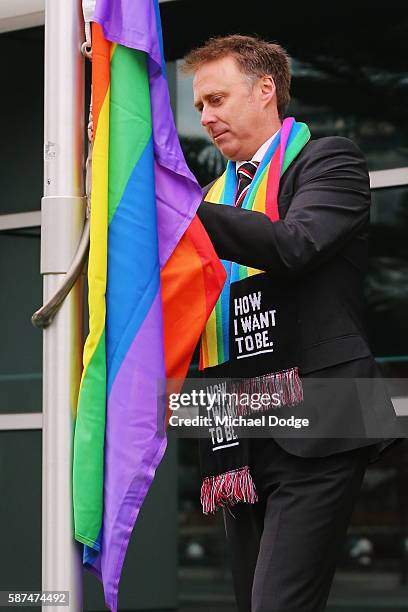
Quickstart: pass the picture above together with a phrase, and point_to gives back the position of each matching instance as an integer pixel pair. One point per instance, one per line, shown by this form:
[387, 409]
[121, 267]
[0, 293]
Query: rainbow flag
[153, 276]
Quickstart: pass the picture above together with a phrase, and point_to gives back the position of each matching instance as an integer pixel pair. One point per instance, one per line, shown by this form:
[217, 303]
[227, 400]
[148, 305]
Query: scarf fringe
[286, 384]
[227, 490]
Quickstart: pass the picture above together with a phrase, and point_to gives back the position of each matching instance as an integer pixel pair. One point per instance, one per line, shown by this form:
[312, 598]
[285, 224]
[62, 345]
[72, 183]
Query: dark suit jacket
[321, 243]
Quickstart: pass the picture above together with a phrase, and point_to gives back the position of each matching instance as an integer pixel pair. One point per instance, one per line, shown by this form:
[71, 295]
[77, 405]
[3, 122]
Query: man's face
[231, 107]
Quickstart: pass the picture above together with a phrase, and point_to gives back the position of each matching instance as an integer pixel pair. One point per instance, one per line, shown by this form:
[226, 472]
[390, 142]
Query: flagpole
[62, 218]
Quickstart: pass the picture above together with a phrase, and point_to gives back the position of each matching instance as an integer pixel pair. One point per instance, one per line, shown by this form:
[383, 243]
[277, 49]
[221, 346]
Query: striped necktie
[246, 173]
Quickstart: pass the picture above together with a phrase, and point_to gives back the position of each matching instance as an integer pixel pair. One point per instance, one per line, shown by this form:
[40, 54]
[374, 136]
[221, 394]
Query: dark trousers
[285, 547]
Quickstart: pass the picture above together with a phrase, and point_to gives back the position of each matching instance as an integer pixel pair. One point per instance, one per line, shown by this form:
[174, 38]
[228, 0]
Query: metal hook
[44, 316]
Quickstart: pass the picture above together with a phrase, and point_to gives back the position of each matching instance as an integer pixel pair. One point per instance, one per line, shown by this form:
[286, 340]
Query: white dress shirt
[260, 152]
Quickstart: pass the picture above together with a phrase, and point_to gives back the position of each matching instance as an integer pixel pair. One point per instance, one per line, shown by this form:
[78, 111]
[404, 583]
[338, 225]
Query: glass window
[20, 510]
[372, 569]
[349, 74]
[22, 125]
[21, 295]
[334, 96]
[387, 280]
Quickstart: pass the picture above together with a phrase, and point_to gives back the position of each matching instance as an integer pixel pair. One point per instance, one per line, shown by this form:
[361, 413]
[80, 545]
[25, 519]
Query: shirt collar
[260, 152]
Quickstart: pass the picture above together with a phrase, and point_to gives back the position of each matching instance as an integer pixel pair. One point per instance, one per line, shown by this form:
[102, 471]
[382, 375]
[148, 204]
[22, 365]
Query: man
[291, 215]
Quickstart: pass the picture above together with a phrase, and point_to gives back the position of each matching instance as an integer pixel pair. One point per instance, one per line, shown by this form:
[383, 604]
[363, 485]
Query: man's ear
[268, 88]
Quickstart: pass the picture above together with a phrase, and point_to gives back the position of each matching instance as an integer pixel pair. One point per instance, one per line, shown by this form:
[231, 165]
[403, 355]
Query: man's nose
[207, 117]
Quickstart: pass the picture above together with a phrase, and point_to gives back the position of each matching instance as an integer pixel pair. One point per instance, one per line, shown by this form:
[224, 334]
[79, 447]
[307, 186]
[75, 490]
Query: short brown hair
[255, 57]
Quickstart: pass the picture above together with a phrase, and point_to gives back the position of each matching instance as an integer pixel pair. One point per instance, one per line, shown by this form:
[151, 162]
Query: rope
[88, 163]
[86, 47]
[86, 50]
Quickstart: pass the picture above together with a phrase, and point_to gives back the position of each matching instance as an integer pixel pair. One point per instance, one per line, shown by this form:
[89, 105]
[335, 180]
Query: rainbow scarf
[262, 197]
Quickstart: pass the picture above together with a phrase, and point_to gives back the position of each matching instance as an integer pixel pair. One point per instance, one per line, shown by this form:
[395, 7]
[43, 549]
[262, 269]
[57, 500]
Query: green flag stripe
[89, 434]
[130, 119]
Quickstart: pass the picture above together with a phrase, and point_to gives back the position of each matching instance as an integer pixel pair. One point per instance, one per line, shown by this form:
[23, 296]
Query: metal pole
[62, 218]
